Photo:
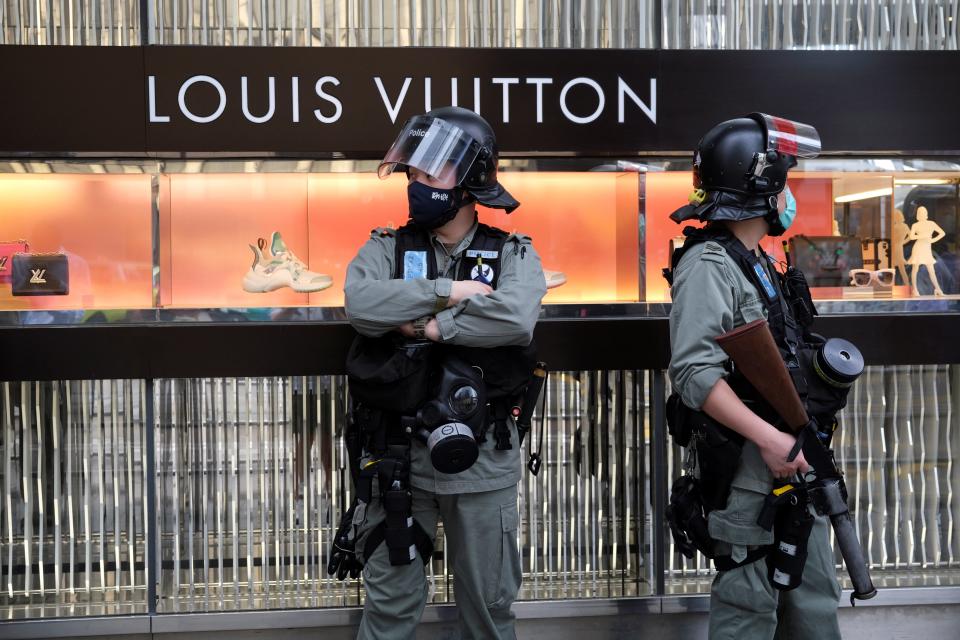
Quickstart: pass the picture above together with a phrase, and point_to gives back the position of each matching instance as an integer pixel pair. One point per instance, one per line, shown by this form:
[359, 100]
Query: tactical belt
[726, 563]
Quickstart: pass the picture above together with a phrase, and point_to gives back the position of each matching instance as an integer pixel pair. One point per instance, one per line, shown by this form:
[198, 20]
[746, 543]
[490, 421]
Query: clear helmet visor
[791, 138]
[435, 147]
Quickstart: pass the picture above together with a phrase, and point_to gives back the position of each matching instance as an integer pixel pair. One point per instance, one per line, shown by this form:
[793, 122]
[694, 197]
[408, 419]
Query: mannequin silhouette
[901, 235]
[924, 233]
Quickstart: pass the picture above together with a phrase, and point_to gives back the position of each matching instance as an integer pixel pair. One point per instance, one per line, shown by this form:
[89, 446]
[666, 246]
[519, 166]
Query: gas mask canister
[448, 422]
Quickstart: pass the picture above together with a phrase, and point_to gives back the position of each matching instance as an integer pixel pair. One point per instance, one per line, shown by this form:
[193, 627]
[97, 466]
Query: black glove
[343, 559]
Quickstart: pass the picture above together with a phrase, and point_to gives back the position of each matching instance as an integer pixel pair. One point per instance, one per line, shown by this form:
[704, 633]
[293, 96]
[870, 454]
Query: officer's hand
[463, 289]
[432, 330]
[343, 560]
[775, 448]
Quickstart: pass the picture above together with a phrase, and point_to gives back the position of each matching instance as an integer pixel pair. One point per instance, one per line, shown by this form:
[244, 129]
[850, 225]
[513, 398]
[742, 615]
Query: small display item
[826, 261]
[874, 278]
[554, 278]
[8, 249]
[40, 274]
[276, 266]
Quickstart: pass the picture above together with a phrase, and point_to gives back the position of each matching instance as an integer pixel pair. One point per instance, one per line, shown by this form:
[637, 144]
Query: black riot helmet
[452, 142]
[741, 165]
[751, 155]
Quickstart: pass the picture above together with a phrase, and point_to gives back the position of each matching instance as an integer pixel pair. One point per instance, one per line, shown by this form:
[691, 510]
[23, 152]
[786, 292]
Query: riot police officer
[471, 293]
[721, 279]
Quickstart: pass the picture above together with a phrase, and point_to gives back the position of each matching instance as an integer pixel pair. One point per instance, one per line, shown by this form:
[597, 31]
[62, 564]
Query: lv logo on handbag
[41, 274]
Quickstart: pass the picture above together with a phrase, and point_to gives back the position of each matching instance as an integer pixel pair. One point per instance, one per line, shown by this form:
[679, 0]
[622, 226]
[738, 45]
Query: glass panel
[706, 24]
[854, 232]
[301, 227]
[101, 223]
[72, 533]
[184, 234]
[897, 447]
[215, 224]
[253, 478]
[67, 22]
[809, 24]
[392, 23]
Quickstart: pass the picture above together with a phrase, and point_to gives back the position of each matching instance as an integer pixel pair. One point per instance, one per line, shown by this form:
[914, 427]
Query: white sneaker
[554, 278]
[278, 267]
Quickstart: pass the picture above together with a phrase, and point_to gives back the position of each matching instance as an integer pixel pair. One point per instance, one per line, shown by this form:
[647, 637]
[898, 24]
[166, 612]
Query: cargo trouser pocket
[503, 577]
[745, 589]
[737, 523]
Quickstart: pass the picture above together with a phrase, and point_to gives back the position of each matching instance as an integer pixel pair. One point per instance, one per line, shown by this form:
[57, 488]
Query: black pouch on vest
[789, 554]
[718, 456]
[40, 274]
[389, 373]
[506, 370]
[678, 423]
[686, 517]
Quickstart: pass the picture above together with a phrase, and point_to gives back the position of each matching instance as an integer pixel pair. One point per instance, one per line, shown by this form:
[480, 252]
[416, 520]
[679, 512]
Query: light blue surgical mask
[788, 215]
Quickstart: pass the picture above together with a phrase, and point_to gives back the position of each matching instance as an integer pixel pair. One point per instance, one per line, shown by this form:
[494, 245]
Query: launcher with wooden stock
[755, 354]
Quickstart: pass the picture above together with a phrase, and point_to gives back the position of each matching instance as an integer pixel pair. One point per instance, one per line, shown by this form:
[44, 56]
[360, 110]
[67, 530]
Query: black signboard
[350, 102]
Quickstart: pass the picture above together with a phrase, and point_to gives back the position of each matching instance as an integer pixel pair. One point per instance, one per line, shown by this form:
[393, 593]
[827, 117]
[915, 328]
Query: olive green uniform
[478, 506]
[711, 296]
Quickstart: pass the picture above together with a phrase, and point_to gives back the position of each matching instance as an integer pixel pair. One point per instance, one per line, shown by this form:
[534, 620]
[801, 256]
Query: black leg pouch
[791, 532]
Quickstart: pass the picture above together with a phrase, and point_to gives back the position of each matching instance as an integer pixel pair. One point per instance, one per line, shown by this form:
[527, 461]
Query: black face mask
[431, 207]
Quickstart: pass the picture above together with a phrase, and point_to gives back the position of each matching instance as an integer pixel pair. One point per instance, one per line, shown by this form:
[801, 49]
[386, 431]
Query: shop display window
[101, 224]
[857, 235]
[667, 191]
[221, 225]
[185, 235]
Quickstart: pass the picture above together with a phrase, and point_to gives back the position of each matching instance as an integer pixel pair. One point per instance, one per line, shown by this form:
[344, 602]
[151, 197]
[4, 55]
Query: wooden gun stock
[755, 355]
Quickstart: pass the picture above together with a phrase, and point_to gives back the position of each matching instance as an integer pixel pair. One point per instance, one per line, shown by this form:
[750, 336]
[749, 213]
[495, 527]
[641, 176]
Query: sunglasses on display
[867, 277]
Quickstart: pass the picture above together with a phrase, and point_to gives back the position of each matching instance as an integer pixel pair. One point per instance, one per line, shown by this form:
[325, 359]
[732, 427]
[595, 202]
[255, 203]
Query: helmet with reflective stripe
[452, 142]
[751, 155]
[741, 166]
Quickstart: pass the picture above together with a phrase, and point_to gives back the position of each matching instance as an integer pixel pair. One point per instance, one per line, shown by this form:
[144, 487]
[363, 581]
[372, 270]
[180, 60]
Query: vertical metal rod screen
[618, 24]
[251, 479]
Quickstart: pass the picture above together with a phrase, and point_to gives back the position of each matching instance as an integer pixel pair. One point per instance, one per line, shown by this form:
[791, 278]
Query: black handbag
[40, 274]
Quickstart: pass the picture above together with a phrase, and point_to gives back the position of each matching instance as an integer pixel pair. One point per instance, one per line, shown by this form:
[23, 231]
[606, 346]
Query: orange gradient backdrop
[665, 192]
[102, 223]
[214, 219]
[583, 224]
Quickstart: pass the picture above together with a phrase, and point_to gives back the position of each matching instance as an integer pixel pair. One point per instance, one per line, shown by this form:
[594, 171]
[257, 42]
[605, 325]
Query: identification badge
[765, 281]
[482, 273]
[414, 265]
[486, 255]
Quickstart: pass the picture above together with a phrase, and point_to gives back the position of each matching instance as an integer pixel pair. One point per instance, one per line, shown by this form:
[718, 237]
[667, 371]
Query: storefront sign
[350, 101]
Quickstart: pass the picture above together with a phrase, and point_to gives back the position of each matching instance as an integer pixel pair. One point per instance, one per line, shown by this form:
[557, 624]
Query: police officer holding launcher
[722, 279]
[446, 308]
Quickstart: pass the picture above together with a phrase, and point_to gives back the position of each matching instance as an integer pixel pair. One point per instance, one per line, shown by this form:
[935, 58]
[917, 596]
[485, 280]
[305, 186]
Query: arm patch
[383, 232]
[713, 252]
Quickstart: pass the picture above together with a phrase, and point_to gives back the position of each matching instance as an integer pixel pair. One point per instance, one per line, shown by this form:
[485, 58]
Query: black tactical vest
[506, 369]
[787, 334]
[764, 277]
